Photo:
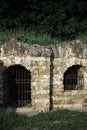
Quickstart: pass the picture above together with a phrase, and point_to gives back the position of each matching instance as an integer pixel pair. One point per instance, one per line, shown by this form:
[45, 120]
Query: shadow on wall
[51, 79]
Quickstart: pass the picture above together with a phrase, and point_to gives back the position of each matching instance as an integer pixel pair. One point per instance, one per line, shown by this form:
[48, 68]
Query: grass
[55, 120]
[33, 37]
[82, 37]
[27, 36]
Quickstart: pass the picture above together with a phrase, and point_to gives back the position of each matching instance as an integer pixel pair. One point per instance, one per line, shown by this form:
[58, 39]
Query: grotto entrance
[17, 86]
[73, 78]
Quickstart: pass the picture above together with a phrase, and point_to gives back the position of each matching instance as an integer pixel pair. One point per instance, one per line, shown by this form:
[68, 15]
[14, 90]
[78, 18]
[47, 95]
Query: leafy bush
[63, 19]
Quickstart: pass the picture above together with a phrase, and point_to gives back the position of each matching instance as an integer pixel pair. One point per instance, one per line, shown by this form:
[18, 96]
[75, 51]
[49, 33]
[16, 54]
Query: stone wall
[47, 66]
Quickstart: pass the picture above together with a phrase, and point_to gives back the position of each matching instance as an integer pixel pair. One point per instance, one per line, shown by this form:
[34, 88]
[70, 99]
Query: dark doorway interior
[17, 86]
[72, 78]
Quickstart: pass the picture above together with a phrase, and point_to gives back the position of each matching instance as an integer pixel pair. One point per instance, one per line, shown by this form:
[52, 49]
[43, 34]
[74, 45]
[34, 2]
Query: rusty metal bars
[19, 86]
[72, 81]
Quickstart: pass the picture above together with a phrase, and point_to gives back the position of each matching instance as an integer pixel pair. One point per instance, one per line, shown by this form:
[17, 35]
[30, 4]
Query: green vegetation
[58, 20]
[55, 120]
[27, 36]
[82, 38]
[32, 37]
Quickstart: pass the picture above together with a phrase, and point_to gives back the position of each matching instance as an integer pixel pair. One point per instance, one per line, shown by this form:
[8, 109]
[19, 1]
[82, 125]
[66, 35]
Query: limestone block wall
[47, 66]
[72, 99]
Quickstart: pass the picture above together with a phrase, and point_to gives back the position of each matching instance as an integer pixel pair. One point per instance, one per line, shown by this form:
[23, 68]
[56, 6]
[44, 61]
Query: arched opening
[1, 82]
[73, 78]
[17, 86]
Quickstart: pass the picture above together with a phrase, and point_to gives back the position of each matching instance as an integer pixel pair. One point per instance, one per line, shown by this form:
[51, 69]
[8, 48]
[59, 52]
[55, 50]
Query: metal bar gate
[73, 78]
[19, 86]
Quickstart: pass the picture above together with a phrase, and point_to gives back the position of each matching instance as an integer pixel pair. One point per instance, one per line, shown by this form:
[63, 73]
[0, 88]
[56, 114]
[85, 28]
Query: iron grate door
[73, 79]
[19, 84]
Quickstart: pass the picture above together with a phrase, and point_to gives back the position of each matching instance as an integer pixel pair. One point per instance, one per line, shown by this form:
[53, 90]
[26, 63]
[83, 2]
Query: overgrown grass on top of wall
[54, 120]
[33, 37]
[27, 36]
[82, 37]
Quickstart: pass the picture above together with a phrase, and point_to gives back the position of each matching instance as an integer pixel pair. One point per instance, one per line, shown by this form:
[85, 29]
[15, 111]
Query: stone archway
[17, 86]
[1, 82]
[73, 78]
